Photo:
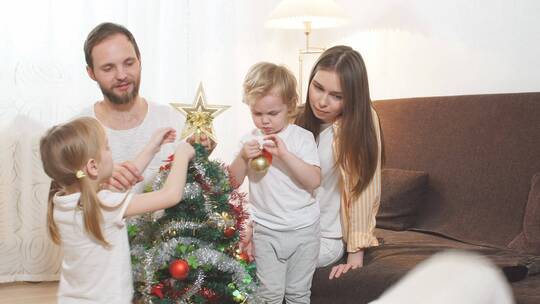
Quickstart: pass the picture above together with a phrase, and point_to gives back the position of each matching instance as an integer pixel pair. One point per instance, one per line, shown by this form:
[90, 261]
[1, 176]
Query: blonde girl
[89, 223]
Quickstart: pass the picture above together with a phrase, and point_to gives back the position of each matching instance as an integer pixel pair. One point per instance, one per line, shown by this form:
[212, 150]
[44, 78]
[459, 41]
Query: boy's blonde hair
[66, 149]
[264, 78]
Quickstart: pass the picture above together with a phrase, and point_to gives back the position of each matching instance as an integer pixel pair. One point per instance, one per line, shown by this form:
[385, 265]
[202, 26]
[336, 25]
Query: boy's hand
[249, 249]
[277, 147]
[251, 149]
[160, 137]
[185, 149]
[246, 244]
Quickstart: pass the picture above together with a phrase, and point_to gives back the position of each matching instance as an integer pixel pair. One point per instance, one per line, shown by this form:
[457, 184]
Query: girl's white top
[92, 273]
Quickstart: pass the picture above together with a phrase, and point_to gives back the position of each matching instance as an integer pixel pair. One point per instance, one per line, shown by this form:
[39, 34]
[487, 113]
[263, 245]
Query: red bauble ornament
[229, 232]
[267, 155]
[242, 256]
[179, 269]
[157, 290]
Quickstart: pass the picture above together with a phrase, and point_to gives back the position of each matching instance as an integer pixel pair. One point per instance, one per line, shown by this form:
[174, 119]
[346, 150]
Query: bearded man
[114, 63]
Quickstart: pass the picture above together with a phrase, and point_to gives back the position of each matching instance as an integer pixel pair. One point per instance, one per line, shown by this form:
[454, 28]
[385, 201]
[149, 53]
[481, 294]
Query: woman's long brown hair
[356, 141]
[64, 150]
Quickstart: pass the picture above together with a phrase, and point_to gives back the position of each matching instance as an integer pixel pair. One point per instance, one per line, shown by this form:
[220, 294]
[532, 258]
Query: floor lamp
[306, 15]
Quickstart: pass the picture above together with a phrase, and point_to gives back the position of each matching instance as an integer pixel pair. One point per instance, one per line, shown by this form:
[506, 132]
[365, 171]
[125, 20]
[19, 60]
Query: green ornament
[181, 248]
[238, 296]
[193, 262]
[132, 230]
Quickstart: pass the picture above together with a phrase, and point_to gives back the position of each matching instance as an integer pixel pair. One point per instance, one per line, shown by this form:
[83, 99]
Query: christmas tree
[190, 254]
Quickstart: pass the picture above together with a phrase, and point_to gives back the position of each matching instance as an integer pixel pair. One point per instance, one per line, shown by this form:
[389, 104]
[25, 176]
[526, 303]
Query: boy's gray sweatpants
[286, 261]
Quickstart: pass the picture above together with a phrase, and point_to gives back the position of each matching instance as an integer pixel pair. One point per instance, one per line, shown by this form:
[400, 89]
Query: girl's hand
[277, 147]
[250, 150]
[354, 260]
[160, 137]
[185, 149]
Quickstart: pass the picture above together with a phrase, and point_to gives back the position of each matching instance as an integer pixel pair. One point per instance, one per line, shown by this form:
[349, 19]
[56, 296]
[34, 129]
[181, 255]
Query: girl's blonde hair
[66, 149]
[264, 78]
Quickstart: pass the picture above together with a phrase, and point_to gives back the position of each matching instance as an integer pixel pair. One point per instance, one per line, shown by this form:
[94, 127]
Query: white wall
[426, 48]
[411, 48]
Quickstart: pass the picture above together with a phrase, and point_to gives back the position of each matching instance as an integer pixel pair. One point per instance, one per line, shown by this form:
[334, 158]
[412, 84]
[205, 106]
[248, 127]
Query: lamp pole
[303, 52]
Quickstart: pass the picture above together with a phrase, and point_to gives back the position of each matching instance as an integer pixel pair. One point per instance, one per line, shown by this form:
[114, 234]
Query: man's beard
[122, 99]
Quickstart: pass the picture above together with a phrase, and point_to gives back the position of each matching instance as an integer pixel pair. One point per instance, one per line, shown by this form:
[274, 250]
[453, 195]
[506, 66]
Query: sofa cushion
[402, 193]
[528, 240]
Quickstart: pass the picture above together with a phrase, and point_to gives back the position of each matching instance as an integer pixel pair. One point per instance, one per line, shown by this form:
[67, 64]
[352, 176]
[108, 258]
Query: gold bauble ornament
[259, 164]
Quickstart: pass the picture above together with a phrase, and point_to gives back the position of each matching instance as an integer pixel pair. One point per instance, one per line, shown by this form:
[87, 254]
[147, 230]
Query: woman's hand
[354, 260]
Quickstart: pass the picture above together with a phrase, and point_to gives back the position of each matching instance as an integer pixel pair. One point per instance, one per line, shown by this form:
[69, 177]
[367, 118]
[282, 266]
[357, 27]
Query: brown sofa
[465, 180]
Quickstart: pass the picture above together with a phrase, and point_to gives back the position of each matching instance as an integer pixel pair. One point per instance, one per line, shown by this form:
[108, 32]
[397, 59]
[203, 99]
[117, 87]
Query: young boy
[283, 208]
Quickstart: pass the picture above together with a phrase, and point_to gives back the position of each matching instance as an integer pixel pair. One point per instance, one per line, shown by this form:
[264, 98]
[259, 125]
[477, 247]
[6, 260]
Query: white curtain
[43, 82]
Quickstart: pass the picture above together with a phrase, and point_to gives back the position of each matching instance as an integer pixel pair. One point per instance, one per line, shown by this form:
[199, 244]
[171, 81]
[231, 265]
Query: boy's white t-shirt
[126, 144]
[276, 200]
[329, 194]
[90, 272]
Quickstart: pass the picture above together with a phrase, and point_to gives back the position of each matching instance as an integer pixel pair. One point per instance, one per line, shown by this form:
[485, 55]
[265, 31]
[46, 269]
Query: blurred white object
[451, 277]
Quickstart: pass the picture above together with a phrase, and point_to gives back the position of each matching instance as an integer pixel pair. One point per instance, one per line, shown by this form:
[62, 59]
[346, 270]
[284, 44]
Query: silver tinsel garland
[157, 257]
[195, 288]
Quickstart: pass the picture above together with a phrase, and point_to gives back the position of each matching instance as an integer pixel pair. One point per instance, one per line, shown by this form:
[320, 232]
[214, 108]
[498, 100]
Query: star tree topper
[199, 115]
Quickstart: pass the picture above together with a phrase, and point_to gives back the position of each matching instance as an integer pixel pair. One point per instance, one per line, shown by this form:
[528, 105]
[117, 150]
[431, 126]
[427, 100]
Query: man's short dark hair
[102, 32]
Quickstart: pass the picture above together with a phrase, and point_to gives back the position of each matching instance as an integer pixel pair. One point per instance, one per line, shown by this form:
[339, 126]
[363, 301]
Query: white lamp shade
[293, 14]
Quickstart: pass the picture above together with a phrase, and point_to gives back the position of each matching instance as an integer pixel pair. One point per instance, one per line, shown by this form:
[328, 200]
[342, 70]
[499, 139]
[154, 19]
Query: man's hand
[124, 176]
[204, 140]
[354, 260]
